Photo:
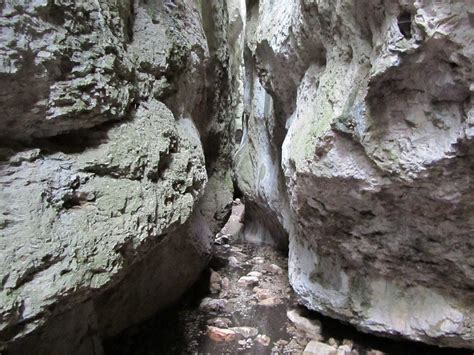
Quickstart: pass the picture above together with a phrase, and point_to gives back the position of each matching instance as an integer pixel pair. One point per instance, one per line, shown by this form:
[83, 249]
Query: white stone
[248, 281]
[318, 348]
[311, 327]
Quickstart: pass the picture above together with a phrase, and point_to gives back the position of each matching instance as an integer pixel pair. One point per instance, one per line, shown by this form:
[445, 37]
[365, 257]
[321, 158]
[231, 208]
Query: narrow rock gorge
[129, 127]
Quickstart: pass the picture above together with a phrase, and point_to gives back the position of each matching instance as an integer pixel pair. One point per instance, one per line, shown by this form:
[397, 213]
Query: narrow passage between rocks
[244, 304]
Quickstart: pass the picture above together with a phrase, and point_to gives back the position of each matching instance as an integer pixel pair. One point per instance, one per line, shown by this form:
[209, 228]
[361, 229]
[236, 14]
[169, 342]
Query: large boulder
[363, 113]
[105, 215]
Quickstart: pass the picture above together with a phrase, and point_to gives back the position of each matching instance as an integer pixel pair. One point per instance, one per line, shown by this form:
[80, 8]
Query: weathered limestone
[349, 125]
[108, 115]
[81, 216]
[64, 66]
[361, 118]
[259, 175]
[234, 226]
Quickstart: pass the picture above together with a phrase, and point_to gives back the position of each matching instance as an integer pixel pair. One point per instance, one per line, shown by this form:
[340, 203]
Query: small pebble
[220, 335]
[258, 260]
[248, 281]
[255, 274]
[263, 339]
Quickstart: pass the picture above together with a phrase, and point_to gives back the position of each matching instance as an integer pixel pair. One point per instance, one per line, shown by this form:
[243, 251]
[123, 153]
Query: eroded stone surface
[352, 123]
[108, 114]
[357, 143]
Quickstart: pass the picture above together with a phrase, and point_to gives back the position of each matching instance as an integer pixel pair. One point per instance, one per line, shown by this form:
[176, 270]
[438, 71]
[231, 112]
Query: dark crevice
[211, 151]
[167, 339]
[54, 13]
[75, 141]
[237, 192]
[252, 8]
[77, 199]
[79, 140]
[163, 165]
[213, 124]
[333, 328]
[404, 24]
[129, 23]
[59, 71]
[30, 273]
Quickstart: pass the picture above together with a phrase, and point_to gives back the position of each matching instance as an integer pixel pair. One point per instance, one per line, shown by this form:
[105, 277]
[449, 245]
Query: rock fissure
[244, 304]
[128, 128]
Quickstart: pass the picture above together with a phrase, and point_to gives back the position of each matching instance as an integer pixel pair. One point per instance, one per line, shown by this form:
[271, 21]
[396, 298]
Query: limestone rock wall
[359, 115]
[349, 125]
[108, 116]
[259, 134]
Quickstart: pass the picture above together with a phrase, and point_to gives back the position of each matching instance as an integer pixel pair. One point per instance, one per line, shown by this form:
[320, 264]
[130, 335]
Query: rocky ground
[244, 304]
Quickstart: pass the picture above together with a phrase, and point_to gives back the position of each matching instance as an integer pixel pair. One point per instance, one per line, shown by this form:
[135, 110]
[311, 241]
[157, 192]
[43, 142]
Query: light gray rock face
[362, 119]
[257, 157]
[107, 146]
[353, 126]
[64, 65]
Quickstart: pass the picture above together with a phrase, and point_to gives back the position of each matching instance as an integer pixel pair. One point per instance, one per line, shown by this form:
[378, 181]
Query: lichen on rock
[104, 169]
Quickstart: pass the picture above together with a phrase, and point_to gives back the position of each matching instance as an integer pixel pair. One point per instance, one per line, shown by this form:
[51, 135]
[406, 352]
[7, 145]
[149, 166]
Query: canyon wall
[358, 146]
[347, 127]
[115, 164]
